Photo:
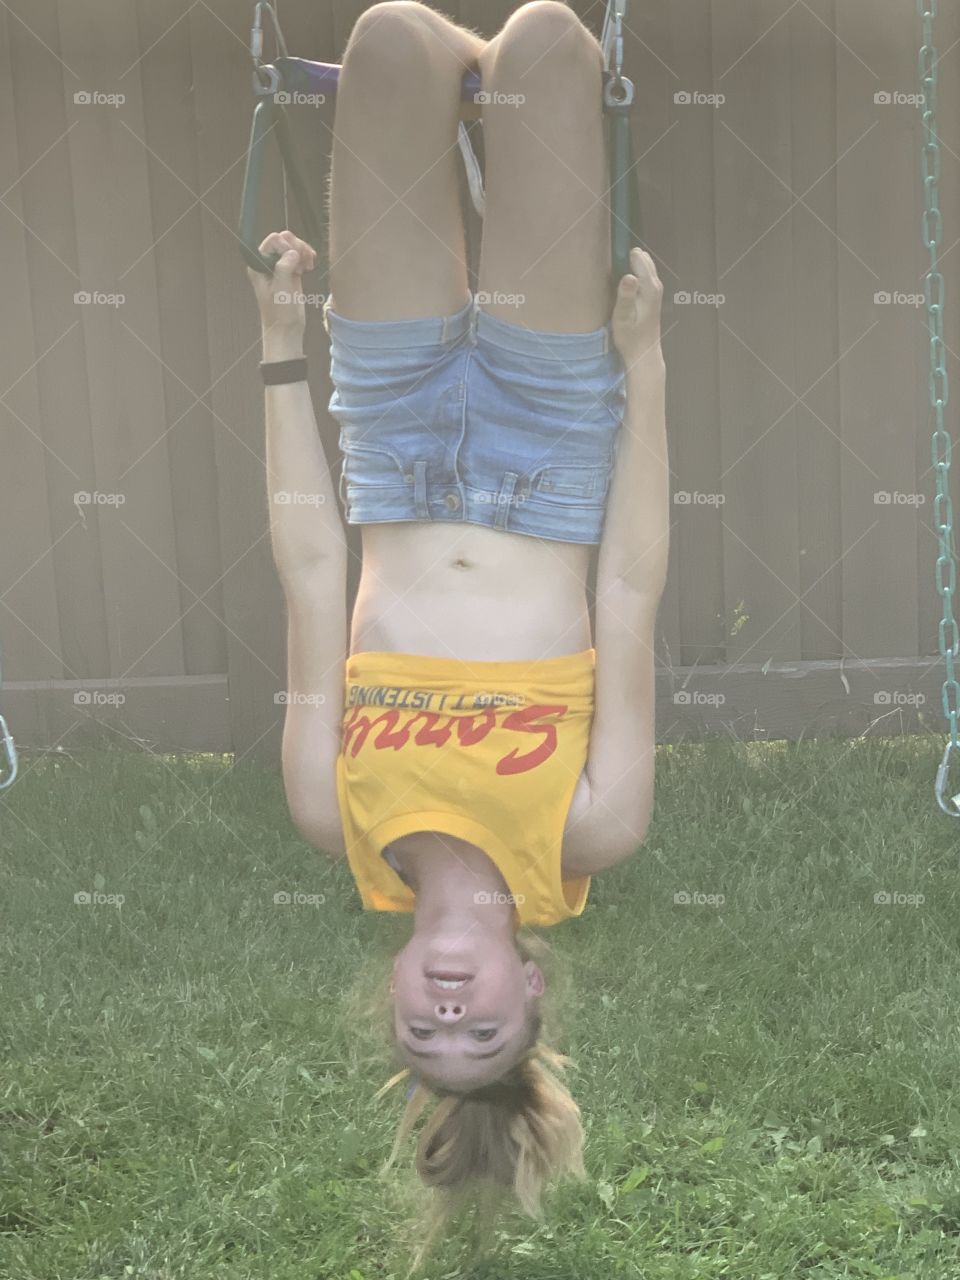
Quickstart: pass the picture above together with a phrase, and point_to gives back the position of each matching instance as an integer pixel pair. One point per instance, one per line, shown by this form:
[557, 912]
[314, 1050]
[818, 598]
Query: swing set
[275, 86]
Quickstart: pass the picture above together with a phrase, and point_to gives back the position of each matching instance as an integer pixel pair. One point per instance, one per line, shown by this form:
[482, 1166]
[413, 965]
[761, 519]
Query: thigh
[396, 228]
[546, 226]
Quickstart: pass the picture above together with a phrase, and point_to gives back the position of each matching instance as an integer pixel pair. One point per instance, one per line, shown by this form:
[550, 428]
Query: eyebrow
[423, 1053]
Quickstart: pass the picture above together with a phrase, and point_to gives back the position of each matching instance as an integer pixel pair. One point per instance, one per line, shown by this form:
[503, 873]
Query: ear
[535, 980]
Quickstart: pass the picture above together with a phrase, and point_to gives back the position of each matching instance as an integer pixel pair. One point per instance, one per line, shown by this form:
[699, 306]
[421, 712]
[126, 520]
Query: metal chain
[8, 767]
[941, 447]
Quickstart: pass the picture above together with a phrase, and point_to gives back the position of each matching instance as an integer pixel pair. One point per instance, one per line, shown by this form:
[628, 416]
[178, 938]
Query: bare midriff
[471, 592]
[468, 591]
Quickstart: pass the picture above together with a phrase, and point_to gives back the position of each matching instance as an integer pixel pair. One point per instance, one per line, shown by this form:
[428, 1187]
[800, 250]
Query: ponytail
[507, 1139]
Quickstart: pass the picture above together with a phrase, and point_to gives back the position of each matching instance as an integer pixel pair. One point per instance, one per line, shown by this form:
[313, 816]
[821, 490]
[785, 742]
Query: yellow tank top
[489, 752]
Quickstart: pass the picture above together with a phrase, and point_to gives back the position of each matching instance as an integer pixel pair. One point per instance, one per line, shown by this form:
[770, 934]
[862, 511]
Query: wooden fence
[779, 175]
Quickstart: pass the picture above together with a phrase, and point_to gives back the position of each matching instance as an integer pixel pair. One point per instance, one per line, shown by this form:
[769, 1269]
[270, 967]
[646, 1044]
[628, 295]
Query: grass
[768, 1083]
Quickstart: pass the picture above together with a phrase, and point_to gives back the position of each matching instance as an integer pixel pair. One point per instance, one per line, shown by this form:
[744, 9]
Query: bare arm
[631, 573]
[310, 553]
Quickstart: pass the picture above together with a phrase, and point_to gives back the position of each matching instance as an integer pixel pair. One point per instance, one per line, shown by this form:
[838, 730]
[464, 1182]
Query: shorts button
[452, 501]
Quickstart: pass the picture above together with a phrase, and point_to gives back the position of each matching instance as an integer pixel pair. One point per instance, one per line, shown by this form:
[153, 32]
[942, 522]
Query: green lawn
[769, 1085]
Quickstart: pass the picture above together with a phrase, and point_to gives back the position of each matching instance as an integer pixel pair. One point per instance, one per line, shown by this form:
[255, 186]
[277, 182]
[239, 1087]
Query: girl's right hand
[636, 313]
[282, 308]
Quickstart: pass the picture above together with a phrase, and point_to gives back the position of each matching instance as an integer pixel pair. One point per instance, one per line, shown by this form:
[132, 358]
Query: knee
[544, 32]
[388, 33]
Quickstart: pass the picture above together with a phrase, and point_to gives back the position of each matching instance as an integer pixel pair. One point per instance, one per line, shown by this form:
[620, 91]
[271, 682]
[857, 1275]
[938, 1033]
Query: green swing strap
[270, 117]
[618, 95]
[273, 84]
[939, 388]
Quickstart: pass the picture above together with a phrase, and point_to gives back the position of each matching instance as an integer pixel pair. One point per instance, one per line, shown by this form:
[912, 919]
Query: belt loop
[505, 498]
[420, 489]
[343, 498]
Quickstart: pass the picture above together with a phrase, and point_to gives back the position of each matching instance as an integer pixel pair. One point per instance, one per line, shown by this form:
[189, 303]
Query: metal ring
[612, 89]
[273, 80]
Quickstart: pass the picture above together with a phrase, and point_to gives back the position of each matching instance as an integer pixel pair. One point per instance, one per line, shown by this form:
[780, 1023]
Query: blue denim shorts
[470, 418]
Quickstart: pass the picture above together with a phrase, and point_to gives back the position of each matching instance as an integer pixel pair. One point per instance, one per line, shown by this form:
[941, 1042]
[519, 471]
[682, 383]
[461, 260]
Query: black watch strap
[276, 372]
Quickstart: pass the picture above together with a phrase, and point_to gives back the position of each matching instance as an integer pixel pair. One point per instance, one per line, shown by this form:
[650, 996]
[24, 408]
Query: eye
[421, 1033]
[485, 1033]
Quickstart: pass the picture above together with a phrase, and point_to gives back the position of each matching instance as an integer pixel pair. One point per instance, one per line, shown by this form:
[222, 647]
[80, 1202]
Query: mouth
[447, 981]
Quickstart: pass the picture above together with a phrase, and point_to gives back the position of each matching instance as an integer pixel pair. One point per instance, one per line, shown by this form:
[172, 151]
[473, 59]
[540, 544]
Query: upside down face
[463, 1015]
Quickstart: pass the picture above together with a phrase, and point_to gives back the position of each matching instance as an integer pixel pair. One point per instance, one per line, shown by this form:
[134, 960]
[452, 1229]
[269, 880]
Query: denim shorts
[471, 418]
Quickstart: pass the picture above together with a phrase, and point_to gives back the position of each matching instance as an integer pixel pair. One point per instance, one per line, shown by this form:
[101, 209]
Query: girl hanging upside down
[474, 752]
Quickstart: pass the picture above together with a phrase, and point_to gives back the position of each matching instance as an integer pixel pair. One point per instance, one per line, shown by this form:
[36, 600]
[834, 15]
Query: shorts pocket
[372, 466]
[573, 480]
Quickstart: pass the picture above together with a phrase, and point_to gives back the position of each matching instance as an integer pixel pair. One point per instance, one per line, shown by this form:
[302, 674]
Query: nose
[449, 1011]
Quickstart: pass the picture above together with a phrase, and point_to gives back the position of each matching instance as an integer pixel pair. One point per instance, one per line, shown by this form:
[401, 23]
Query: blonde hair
[506, 1139]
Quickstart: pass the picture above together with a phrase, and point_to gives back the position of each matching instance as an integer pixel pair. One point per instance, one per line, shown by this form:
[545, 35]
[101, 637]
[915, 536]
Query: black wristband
[276, 372]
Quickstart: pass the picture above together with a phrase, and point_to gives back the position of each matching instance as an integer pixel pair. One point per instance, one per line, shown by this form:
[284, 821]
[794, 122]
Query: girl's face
[461, 1014]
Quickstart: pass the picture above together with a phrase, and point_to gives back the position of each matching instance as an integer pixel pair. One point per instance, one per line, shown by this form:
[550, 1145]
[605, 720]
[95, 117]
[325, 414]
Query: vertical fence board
[814, 53]
[123, 374]
[687, 254]
[876, 219]
[173, 254]
[29, 631]
[42, 84]
[252, 596]
[755, 254]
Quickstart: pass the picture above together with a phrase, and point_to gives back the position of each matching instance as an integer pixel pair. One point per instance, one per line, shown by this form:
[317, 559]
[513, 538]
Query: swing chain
[8, 773]
[939, 387]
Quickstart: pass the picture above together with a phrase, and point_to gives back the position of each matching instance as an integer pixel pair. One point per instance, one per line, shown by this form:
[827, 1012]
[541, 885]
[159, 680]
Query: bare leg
[396, 231]
[546, 232]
